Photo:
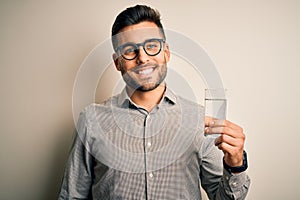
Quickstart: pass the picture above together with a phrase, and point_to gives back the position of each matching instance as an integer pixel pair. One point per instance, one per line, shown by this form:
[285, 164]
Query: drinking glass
[215, 104]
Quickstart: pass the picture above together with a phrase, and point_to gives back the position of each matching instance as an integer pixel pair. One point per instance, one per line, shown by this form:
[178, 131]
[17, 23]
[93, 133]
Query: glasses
[130, 50]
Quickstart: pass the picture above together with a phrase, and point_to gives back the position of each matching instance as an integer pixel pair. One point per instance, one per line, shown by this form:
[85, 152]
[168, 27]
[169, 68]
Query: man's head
[135, 15]
[141, 52]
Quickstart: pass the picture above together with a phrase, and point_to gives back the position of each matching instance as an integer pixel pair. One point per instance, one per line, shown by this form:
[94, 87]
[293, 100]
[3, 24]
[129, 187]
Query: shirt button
[234, 184]
[149, 144]
[151, 175]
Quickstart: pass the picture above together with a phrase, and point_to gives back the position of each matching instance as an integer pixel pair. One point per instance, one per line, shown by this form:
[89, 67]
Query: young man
[147, 142]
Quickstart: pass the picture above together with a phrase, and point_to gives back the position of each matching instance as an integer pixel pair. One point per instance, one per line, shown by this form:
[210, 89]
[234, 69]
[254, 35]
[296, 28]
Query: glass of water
[215, 104]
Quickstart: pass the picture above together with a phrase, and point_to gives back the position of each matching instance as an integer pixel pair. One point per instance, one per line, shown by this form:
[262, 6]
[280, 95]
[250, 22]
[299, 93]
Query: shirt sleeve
[218, 183]
[77, 179]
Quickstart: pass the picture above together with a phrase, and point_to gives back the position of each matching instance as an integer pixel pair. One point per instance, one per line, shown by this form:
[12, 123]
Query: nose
[142, 55]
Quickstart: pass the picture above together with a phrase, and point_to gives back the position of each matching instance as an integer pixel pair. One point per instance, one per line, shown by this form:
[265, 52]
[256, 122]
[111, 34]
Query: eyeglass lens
[130, 50]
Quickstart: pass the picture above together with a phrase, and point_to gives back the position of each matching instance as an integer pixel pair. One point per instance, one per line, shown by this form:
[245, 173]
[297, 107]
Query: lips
[145, 71]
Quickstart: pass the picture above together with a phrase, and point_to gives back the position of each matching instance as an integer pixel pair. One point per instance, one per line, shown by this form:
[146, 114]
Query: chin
[147, 88]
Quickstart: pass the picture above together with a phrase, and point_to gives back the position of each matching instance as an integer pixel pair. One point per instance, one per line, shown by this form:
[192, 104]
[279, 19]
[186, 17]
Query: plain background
[254, 44]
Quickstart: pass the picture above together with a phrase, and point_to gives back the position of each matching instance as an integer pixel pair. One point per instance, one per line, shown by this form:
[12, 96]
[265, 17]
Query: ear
[167, 52]
[116, 61]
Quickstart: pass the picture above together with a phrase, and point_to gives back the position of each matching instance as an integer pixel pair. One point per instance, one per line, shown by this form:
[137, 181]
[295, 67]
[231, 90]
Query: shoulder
[192, 113]
[180, 100]
[189, 104]
[95, 109]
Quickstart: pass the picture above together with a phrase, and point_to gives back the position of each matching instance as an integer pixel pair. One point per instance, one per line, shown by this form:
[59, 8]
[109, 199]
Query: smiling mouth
[146, 71]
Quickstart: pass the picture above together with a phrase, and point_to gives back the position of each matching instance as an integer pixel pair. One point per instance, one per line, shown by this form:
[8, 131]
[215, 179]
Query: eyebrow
[140, 43]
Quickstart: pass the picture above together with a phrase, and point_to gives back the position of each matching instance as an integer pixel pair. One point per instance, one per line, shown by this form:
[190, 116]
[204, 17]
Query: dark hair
[135, 15]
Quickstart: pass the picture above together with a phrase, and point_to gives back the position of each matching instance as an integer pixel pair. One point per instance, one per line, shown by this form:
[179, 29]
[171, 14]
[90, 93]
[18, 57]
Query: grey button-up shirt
[121, 151]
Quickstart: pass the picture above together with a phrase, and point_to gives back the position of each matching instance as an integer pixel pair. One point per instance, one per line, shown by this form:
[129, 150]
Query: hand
[231, 141]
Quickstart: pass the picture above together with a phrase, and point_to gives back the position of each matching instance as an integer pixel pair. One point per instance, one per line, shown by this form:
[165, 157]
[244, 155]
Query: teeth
[146, 71]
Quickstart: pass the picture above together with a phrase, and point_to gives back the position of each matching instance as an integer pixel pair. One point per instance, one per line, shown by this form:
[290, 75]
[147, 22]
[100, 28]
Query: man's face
[145, 72]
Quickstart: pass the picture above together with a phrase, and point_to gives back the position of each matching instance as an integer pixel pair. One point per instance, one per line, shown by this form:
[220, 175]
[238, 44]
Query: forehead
[138, 33]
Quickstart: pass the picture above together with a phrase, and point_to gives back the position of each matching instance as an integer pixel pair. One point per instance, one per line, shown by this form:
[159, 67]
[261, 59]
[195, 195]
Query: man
[147, 142]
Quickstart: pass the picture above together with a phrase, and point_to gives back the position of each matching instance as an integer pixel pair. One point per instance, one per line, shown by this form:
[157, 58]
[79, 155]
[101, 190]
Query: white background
[254, 44]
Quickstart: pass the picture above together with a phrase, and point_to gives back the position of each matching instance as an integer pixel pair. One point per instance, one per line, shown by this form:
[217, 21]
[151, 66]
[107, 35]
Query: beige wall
[254, 44]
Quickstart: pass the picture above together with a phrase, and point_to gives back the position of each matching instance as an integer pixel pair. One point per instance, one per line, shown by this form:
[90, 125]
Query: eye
[128, 49]
[152, 45]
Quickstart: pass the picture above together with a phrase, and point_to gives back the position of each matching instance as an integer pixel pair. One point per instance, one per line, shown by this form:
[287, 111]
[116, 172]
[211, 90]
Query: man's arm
[231, 141]
[78, 174]
[218, 183]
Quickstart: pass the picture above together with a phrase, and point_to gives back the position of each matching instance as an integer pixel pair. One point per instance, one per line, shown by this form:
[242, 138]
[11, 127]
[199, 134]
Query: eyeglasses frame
[142, 44]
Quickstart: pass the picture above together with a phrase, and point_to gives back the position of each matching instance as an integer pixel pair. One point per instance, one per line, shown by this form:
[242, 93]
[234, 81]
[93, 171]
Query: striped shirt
[121, 151]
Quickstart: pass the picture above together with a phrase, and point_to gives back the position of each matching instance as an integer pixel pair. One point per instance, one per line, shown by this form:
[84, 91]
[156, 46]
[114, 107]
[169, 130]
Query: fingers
[231, 140]
[210, 121]
[232, 148]
[224, 142]
[217, 126]
[227, 130]
[225, 139]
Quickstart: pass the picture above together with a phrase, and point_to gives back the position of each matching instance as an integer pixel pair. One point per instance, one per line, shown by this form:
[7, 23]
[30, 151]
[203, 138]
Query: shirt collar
[123, 97]
[124, 100]
[170, 95]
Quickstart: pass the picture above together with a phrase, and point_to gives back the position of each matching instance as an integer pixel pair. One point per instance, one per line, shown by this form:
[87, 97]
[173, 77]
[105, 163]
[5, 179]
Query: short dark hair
[134, 15]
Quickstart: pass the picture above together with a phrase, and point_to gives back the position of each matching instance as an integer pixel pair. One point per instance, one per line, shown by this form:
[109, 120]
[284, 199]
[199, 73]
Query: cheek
[163, 59]
[126, 65]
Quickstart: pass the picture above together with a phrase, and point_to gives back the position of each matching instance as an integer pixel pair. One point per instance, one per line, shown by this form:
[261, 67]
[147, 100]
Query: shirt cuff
[235, 183]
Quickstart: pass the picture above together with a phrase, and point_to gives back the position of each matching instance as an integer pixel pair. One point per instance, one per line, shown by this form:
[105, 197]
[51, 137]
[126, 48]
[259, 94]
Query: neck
[147, 99]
